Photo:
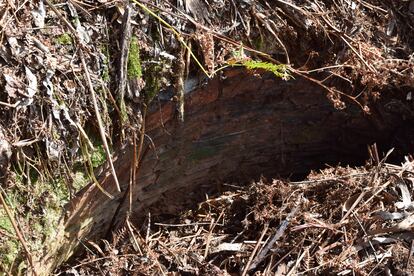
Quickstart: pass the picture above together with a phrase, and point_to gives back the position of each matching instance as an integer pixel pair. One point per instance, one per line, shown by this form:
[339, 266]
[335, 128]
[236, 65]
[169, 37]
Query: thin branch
[282, 228]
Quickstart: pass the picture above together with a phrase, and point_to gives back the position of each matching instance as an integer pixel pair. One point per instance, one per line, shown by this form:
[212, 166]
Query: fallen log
[235, 129]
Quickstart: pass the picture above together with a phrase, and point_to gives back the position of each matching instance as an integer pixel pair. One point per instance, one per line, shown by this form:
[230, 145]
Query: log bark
[235, 129]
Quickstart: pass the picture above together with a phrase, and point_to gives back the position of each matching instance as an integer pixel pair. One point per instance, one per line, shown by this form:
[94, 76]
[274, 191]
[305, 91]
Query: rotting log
[236, 129]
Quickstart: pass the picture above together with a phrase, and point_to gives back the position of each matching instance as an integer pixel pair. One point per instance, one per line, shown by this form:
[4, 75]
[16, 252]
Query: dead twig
[282, 228]
[123, 60]
[179, 84]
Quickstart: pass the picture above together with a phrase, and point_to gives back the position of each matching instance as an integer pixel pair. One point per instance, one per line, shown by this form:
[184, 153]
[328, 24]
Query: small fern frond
[279, 70]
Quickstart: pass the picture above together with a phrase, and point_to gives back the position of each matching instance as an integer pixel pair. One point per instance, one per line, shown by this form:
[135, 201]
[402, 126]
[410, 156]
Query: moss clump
[105, 73]
[134, 61]
[106, 57]
[38, 207]
[80, 180]
[9, 245]
[5, 223]
[123, 110]
[98, 156]
[9, 251]
[153, 83]
[64, 39]
[9, 248]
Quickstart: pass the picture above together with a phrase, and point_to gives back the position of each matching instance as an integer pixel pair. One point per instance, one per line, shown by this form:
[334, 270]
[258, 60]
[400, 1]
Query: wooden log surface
[235, 129]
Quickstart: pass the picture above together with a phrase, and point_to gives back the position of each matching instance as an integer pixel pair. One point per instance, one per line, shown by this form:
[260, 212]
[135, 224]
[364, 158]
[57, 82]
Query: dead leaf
[39, 15]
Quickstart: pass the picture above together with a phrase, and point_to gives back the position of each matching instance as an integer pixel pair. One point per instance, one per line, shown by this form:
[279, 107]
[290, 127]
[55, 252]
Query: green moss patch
[134, 61]
[98, 156]
[37, 205]
[64, 39]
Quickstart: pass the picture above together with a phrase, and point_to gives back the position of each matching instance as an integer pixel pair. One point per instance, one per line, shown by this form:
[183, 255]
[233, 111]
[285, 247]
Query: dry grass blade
[298, 260]
[99, 119]
[209, 235]
[133, 238]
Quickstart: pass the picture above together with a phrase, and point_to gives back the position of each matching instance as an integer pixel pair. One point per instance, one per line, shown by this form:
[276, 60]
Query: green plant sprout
[240, 59]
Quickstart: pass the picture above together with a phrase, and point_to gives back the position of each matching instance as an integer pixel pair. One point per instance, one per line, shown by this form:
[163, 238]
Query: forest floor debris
[339, 221]
[357, 50]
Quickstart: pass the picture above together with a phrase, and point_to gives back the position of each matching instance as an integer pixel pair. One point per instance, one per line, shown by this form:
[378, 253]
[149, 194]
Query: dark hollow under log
[235, 129]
